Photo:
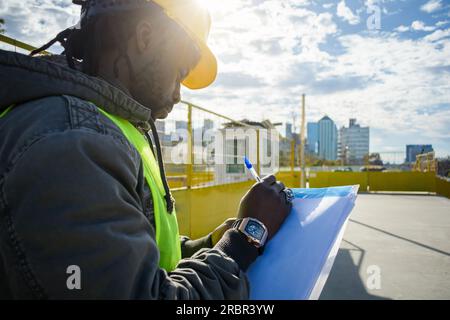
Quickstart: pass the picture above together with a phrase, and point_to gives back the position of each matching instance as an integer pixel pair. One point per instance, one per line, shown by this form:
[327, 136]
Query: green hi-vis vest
[167, 234]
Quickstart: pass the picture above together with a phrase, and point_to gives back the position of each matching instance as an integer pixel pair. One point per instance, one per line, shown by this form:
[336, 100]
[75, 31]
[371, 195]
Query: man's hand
[265, 202]
[220, 230]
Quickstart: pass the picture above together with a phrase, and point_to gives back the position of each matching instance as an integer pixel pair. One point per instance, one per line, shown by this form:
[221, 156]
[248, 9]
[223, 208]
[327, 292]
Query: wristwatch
[255, 231]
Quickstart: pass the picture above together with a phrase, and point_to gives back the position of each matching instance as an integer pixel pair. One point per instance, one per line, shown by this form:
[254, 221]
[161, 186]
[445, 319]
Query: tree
[2, 22]
[373, 159]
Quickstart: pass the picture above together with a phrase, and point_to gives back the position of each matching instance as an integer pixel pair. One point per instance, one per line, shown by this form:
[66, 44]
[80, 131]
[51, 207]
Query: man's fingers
[279, 186]
[229, 222]
[269, 180]
[272, 182]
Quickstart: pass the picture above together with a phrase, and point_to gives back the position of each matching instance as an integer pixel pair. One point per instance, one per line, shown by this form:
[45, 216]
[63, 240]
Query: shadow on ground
[344, 281]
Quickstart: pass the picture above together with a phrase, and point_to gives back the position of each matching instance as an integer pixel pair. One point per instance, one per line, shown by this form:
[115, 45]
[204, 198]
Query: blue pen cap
[247, 163]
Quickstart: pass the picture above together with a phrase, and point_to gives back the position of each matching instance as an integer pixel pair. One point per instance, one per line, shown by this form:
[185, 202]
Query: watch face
[255, 230]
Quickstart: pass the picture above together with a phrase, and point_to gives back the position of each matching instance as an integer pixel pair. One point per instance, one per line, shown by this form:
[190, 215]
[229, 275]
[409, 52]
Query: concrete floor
[403, 238]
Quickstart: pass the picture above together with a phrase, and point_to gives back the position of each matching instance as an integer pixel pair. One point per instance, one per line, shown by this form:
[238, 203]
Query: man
[80, 190]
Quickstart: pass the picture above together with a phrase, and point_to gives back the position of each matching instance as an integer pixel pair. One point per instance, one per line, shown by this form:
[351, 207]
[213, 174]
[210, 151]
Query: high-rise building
[327, 139]
[160, 127]
[181, 125]
[312, 139]
[412, 150]
[354, 143]
[289, 131]
[208, 124]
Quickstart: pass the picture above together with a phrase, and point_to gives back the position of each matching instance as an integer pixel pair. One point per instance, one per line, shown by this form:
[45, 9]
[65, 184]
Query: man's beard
[147, 91]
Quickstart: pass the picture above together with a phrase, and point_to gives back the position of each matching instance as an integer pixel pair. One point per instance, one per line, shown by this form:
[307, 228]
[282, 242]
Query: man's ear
[143, 35]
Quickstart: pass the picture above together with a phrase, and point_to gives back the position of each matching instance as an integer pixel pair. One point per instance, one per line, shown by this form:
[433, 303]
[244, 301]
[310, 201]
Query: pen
[287, 191]
[250, 168]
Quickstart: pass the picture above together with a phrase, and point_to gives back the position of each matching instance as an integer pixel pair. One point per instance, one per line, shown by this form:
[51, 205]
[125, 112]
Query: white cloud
[437, 35]
[396, 82]
[442, 23]
[37, 21]
[420, 26]
[268, 35]
[346, 13]
[402, 28]
[431, 6]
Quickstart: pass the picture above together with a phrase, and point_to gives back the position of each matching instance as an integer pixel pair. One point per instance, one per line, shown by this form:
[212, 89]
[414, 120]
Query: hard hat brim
[205, 72]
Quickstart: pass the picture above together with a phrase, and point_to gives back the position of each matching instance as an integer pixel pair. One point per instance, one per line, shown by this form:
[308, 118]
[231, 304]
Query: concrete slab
[396, 246]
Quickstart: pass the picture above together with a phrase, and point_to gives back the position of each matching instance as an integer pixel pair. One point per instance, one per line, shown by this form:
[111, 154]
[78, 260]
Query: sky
[384, 62]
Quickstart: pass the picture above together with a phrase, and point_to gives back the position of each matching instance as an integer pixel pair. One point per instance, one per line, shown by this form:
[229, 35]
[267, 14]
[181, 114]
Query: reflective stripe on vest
[4, 112]
[167, 234]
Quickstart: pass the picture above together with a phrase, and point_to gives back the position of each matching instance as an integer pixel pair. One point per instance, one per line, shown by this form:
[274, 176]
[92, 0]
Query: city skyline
[357, 140]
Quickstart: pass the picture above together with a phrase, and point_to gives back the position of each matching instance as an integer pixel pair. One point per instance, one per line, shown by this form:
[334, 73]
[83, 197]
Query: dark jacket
[72, 192]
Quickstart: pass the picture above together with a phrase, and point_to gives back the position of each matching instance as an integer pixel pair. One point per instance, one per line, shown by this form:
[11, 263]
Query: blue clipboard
[297, 261]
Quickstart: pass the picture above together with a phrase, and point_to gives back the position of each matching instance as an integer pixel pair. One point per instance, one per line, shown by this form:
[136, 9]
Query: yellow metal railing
[194, 157]
[19, 44]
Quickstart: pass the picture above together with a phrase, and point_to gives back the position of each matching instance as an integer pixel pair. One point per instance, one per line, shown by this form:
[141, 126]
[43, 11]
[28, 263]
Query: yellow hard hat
[196, 21]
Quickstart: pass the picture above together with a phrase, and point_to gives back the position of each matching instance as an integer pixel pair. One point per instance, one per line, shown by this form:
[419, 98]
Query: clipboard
[298, 259]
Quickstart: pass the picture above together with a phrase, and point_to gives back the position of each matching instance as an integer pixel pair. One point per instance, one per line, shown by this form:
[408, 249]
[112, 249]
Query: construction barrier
[443, 187]
[201, 210]
[328, 179]
[291, 180]
[376, 181]
[402, 181]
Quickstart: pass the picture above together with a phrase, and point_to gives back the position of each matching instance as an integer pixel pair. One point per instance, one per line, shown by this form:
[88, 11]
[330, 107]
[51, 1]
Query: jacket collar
[24, 78]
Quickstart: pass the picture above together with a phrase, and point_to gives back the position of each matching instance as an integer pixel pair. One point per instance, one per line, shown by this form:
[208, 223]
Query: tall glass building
[328, 136]
[312, 137]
